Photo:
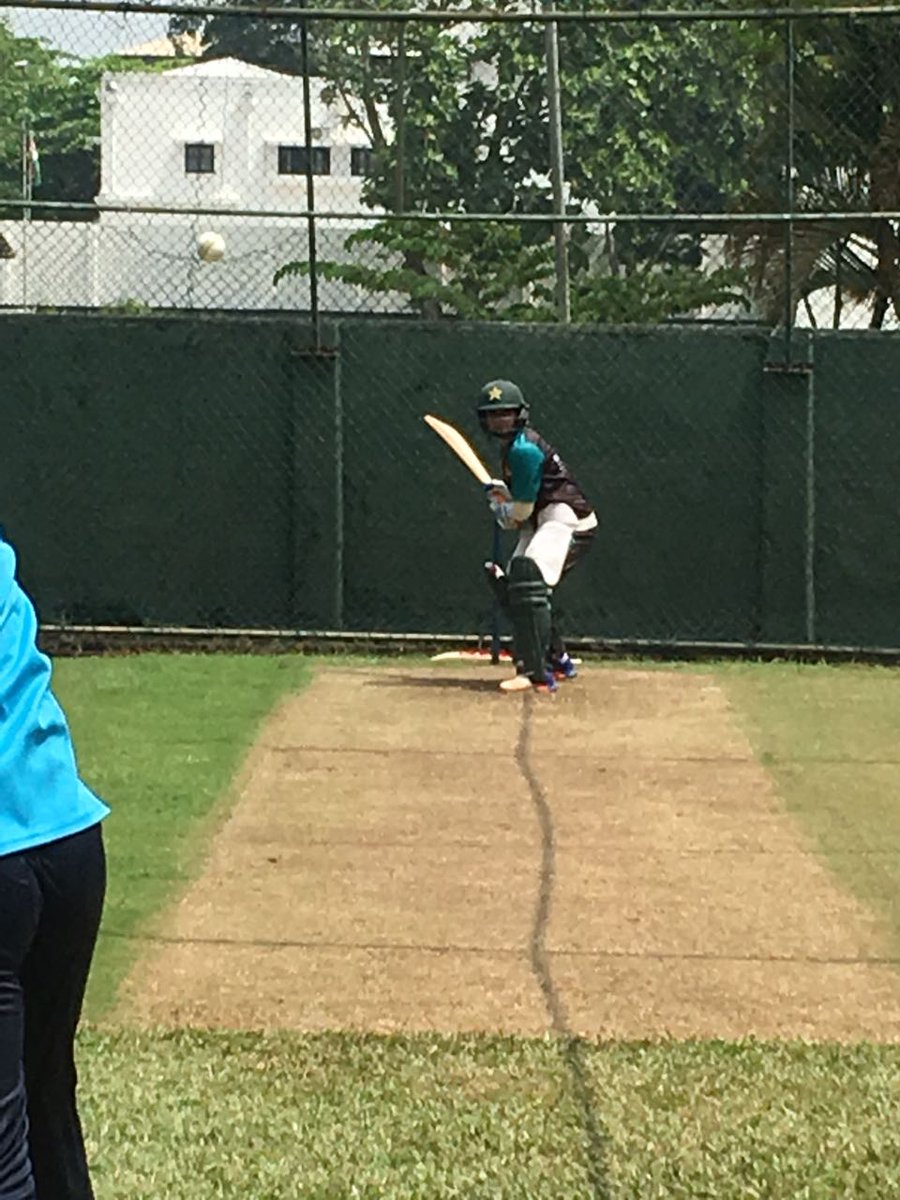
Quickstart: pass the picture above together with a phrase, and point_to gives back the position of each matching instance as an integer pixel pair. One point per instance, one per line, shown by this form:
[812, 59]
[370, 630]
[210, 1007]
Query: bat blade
[460, 447]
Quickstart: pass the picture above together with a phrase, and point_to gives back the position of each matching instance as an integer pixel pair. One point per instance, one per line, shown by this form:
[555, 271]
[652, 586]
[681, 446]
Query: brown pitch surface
[411, 850]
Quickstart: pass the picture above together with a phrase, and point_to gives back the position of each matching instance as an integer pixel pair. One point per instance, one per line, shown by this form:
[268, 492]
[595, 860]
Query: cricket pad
[529, 611]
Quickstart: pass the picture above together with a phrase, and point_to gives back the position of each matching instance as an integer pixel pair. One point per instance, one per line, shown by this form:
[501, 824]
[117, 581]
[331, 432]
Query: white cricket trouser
[548, 544]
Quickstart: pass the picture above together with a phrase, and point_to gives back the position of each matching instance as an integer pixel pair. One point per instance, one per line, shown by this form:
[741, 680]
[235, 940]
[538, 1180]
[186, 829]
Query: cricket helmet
[502, 396]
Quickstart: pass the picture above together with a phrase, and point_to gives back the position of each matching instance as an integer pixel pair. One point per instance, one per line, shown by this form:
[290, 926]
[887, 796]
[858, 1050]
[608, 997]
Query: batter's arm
[525, 462]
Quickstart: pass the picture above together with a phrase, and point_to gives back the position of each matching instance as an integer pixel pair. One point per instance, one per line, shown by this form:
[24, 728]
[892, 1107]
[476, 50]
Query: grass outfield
[161, 736]
[193, 1116]
[261, 1117]
[828, 737]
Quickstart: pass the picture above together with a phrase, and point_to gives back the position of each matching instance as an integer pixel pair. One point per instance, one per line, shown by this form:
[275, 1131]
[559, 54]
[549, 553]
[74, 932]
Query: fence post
[338, 481]
[557, 169]
[809, 566]
[310, 187]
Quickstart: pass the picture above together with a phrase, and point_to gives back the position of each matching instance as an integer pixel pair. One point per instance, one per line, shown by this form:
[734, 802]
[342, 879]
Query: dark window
[361, 160]
[199, 158]
[292, 160]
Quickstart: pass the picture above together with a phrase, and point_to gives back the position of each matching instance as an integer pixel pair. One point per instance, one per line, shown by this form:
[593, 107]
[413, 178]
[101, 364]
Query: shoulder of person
[7, 558]
[526, 445]
[8, 585]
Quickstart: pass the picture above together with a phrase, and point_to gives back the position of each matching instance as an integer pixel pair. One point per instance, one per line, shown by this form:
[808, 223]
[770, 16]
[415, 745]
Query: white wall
[245, 112]
[154, 262]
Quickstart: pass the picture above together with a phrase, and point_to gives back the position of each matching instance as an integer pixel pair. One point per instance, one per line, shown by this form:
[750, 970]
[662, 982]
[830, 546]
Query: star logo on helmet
[495, 393]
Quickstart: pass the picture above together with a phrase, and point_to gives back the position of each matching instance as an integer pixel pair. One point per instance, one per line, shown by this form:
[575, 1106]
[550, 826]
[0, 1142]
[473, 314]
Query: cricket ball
[211, 246]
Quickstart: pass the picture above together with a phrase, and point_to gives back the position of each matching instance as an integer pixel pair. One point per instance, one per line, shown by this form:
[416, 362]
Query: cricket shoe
[563, 667]
[525, 683]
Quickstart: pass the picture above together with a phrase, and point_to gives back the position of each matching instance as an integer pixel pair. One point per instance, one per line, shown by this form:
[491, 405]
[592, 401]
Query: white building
[226, 134]
[217, 145]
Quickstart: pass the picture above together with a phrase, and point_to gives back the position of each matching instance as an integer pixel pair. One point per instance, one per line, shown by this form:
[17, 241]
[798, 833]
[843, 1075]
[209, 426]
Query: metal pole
[400, 118]
[310, 187]
[810, 555]
[339, 507]
[789, 196]
[26, 197]
[23, 64]
[24, 165]
[557, 168]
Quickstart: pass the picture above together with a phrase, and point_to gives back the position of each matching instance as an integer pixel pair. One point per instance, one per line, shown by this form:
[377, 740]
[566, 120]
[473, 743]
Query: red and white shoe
[525, 683]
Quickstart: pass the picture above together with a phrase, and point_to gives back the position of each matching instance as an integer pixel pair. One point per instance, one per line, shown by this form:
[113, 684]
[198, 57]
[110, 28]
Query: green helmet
[501, 396]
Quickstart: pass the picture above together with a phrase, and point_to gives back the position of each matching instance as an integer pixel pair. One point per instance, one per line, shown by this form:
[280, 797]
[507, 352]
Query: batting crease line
[505, 951]
[596, 1139]
[640, 851]
[412, 751]
[624, 756]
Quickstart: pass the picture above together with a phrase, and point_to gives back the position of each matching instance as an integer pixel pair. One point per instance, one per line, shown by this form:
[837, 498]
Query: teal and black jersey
[535, 474]
[42, 797]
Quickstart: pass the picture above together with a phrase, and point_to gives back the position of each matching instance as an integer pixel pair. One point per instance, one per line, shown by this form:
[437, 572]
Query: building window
[292, 160]
[199, 158]
[361, 160]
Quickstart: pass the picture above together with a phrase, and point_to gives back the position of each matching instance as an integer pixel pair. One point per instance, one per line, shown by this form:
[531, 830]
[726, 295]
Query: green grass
[160, 737]
[828, 735]
[197, 1116]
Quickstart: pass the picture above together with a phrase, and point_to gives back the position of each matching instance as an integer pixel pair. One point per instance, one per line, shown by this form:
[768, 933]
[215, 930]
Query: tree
[475, 140]
[653, 122]
[846, 151]
[53, 99]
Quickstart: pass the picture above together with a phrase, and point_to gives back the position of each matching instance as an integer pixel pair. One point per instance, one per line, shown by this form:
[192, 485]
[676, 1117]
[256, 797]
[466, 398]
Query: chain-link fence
[279, 237]
[232, 472]
[522, 164]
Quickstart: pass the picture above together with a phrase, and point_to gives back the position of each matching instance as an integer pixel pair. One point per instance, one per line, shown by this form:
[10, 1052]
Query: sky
[86, 34]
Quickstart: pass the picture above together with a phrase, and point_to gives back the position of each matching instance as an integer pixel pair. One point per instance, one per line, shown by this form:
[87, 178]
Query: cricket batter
[52, 884]
[538, 496]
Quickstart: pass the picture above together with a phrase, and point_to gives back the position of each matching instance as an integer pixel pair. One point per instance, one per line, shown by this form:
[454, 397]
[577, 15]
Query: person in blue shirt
[52, 886]
[538, 496]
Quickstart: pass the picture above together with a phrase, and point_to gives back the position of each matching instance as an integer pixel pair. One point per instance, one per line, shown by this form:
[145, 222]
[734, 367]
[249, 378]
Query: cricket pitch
[410, 850]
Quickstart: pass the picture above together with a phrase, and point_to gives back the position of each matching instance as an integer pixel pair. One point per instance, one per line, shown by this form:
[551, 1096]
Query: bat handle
[495, 612]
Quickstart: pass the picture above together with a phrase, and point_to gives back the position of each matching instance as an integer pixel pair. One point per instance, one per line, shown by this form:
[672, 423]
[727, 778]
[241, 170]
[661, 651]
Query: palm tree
[846, 150]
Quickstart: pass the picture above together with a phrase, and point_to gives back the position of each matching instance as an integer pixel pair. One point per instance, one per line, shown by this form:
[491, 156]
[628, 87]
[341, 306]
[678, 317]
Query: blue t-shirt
[41, 795]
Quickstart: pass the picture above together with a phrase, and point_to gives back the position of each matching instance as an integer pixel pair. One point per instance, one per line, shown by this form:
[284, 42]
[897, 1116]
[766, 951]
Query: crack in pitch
[596, 1139]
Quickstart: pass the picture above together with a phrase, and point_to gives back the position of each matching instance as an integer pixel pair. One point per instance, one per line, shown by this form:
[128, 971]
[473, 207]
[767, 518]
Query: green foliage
[654, 294]
[475, 269]
[656, 118]
[459, 124]
[488, 271]
[31, 81]
[846, 150]
[57, 99]
[129, 307]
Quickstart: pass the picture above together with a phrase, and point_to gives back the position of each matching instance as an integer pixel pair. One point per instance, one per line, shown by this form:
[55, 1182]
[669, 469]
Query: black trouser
[51, 899]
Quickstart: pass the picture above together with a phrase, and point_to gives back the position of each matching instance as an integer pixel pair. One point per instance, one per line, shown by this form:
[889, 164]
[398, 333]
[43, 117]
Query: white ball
[211, 246]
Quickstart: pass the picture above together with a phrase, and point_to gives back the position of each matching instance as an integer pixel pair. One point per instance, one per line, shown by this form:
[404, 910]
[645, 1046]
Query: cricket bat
[460, 447]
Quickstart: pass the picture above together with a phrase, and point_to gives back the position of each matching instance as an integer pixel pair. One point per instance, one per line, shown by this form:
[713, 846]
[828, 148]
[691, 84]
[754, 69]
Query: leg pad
[530, 612]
